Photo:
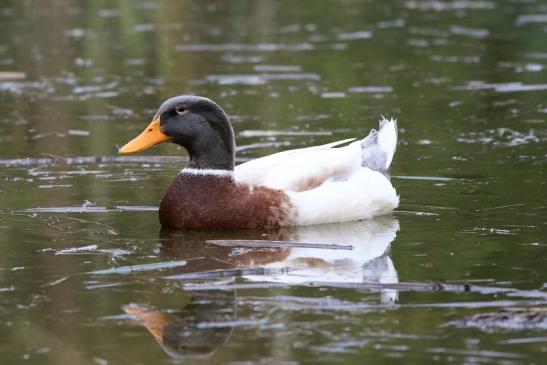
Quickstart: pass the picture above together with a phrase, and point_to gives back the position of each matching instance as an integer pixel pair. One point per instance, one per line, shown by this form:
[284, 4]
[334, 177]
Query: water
[457, 273]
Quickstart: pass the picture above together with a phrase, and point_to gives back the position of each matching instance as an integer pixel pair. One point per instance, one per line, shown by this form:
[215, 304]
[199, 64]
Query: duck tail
[379, 146]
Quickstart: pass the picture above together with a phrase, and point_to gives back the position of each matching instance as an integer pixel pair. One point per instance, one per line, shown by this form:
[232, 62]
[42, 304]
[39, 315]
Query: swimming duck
[341, 181]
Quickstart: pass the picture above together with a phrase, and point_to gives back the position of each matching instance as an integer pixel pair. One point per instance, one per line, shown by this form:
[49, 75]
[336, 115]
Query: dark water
[467, 81]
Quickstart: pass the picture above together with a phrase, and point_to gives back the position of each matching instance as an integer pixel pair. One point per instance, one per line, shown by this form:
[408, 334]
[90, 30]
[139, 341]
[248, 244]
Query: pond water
[458, 273]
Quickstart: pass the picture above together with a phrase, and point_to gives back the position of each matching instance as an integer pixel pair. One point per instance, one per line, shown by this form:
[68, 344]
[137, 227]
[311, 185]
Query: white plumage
[328, 184]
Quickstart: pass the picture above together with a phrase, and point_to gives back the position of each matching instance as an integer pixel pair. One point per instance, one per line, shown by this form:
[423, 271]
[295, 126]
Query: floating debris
[471, 32]
[258, 47]
[396, 23]
[58, 160]
[233, 324]
[74, 209]
[500, 137]
[424, 178]
[116, 252]
[278, 68]
[76, 250]
[91, 209]
[438, 5]
[370, 89]
[52, 186]
[504, 87]
[55, 282]
[242, 59]
[277, 244]
[364, 34]
[531, 18]
[78, 132]
[12, 75]
[415, 213]
[415, 287]
[532, 318]
[333, 95]
[137, 208]
[139, 268]
[260, 79]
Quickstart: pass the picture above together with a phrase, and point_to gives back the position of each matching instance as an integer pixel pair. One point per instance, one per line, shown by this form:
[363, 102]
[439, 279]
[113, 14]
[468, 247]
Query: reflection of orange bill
[153, 320]
[151, 136]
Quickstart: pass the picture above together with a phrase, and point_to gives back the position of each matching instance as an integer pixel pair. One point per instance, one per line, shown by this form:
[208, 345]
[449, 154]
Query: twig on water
[414, 287]
[228, 273]
[277, 244]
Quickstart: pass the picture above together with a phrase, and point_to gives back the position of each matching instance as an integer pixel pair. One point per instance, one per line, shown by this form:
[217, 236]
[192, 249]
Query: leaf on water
[142, 267]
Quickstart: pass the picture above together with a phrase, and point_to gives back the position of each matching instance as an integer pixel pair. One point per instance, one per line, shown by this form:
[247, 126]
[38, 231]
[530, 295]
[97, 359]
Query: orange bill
[153, 320]
[151, 136]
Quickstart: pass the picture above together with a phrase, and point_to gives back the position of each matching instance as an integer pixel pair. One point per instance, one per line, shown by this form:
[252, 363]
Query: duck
[341, 181]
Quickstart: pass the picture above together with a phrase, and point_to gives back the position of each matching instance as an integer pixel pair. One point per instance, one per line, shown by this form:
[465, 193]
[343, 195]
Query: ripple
[512, 319]
[364, 34]
[470, 32]
[259, 79]
[450, 5]
[531, 18]
[504, 87]
[258, 47]
[500, 137]
[370, 89]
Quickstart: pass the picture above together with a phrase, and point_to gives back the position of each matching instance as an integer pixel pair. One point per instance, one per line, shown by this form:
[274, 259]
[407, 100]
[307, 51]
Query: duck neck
[211, 153]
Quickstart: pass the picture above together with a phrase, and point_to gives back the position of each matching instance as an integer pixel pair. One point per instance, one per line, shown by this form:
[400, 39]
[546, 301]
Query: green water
[467, 81]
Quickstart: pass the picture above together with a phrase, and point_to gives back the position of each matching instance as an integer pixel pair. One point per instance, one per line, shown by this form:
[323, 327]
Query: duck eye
[180, 110]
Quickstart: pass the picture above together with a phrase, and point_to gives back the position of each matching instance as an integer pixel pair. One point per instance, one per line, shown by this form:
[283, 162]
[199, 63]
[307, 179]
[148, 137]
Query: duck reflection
[206, 320]
[195, 331]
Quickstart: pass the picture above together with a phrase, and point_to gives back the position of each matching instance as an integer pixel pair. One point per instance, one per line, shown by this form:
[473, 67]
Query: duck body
[315, 185]
[198, 201]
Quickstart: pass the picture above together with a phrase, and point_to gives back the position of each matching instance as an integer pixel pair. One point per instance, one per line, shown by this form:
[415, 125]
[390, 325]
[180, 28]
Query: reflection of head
[197, 330]
[205, 323]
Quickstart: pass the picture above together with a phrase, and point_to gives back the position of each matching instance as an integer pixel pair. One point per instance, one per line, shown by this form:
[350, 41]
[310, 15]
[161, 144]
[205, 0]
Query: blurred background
[467, 81]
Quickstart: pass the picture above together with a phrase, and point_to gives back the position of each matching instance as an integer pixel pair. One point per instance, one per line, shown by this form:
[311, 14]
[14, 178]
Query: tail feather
[379, 146]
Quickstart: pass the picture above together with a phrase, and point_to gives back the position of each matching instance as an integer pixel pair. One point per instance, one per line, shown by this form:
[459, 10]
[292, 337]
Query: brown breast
[203, 202]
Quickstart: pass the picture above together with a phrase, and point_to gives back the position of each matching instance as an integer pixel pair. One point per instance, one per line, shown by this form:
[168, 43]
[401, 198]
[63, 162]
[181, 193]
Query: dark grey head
[200, 126]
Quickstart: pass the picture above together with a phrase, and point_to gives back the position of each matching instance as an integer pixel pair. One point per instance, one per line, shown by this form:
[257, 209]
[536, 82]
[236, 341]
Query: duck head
[196, 123]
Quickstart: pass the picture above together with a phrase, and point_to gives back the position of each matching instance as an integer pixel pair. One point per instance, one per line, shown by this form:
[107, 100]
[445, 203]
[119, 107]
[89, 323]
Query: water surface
[457, 273]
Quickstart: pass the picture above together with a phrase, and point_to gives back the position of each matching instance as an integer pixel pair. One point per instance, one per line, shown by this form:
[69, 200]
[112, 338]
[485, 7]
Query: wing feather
[302, 169]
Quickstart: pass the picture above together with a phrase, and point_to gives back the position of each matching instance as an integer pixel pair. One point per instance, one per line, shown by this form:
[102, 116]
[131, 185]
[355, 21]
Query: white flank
[365, 194]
